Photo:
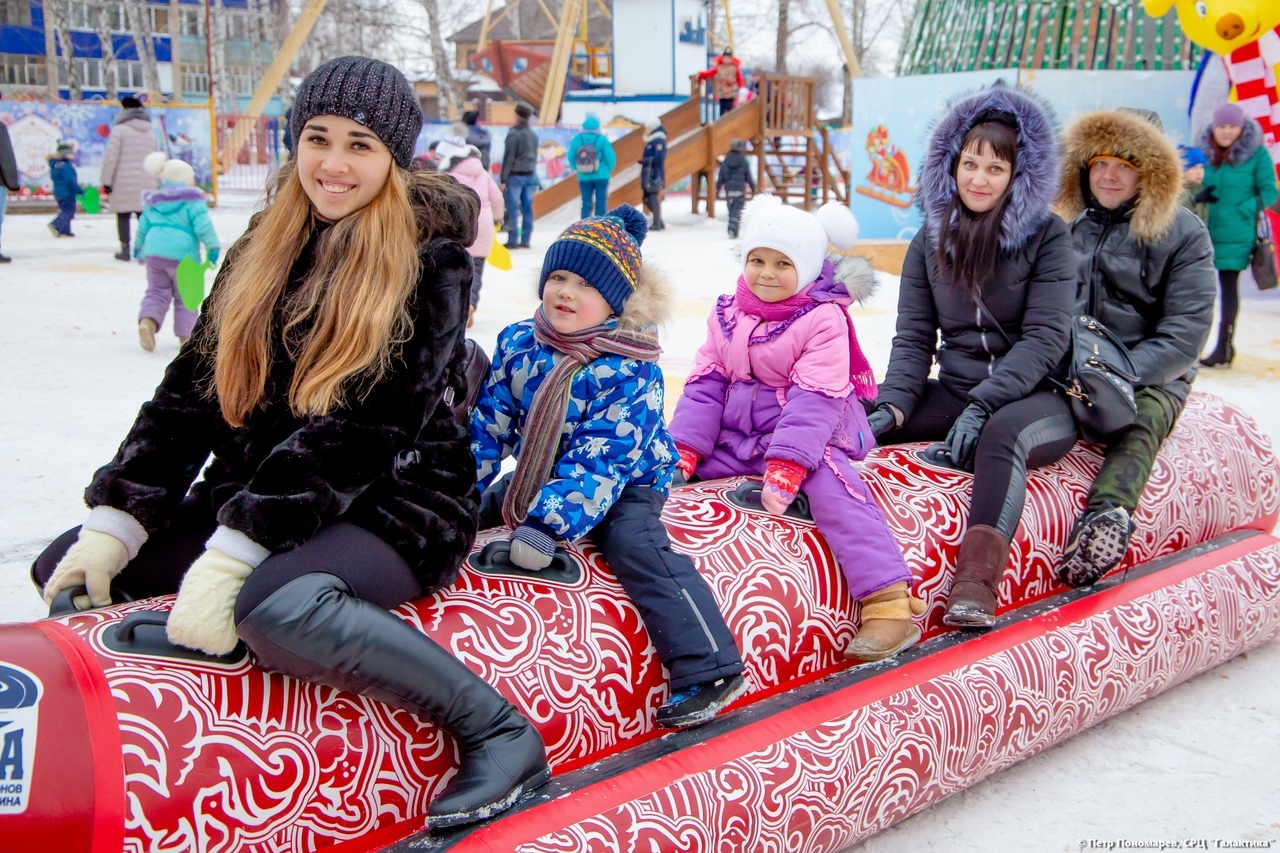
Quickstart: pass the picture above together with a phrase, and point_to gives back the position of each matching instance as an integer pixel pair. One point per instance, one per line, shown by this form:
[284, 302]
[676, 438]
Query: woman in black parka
[340, 485]
[989, 176]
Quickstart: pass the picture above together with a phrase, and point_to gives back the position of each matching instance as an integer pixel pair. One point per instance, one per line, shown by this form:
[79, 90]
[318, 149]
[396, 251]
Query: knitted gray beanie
[368, 92]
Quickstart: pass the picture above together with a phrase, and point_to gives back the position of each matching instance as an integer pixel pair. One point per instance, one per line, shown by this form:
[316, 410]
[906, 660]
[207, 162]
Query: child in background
[576, 394]
[65, 189]
[1193, 163]
[175, 221]
[774, 391]
[462, 160]
[734, 178]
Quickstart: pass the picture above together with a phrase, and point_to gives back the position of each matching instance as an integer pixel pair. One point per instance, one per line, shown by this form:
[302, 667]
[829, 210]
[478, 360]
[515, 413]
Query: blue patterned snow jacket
[615, 433]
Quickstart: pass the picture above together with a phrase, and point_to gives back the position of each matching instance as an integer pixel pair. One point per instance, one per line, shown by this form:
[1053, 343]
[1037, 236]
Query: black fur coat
[393, 461]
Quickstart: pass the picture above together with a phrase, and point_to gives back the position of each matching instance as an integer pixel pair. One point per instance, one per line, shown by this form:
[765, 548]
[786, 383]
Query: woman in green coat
[1239, 181]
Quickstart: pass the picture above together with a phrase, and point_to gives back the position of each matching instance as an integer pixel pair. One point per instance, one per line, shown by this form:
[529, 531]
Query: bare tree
[140, 27]
[100, 21]
[447, 92]
[220, 89]
[61, 11]
[783, 36]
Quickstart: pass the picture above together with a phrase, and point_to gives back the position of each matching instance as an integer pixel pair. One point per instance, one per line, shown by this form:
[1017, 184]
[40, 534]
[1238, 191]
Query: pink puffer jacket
[471, 173]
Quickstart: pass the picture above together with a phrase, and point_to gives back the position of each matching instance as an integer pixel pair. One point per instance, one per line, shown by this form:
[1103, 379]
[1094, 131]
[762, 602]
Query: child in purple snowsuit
[774, 391]
[174, 222]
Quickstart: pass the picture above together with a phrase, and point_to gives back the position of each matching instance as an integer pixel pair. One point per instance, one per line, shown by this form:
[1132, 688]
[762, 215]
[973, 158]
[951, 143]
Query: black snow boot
[313, 629]
[123, 254]
[1225, 352]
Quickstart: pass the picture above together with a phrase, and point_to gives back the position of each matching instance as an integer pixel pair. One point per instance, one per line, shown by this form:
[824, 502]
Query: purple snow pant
[846, 515]
[162, 288]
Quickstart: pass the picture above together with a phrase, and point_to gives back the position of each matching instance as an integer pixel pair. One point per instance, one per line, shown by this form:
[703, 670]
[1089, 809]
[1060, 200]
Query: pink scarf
[796, 306]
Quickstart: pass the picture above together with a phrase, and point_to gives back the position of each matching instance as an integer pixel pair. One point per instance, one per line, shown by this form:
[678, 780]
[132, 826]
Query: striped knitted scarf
[550, 405]
[1251, 69]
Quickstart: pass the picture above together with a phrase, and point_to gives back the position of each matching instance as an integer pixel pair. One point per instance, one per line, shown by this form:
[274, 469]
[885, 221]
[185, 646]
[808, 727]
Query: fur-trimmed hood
[1035, 178]
[1133, 138]
[649, 306]
[1241, 150]
[172, 192]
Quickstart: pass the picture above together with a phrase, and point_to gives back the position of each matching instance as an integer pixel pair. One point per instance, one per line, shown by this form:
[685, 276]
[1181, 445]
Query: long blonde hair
[342, 326]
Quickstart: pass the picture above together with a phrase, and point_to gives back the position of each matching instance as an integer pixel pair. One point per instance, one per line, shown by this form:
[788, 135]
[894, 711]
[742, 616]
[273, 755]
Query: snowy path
[1201, 761]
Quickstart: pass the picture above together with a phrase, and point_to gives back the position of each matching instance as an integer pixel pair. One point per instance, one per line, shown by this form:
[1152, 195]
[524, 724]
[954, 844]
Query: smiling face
[571, 304]
[342, 165]
[981, 177]
[1112, 182]
[770, 275]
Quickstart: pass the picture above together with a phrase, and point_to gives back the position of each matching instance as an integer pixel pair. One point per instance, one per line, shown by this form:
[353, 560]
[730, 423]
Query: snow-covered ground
[1200, 762]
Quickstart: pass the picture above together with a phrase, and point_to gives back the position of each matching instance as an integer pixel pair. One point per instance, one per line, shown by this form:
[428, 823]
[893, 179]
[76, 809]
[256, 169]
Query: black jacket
[482, 140]
[8, 165]
[735, 174]
[520, 151]
[653, 163]
[1032, 296]
[393, 461]
[1156, 297]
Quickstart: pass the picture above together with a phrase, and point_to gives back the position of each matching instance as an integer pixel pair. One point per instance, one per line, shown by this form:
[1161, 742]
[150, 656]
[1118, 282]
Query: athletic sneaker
[698, 703]
[1097, 545]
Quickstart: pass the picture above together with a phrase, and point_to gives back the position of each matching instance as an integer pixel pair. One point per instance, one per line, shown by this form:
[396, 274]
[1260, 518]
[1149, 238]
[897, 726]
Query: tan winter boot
[147, 334]
[886, 624]
[983, 555]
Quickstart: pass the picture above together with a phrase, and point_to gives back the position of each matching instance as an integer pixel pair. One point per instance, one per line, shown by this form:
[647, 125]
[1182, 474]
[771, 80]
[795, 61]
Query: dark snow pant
[726, 104]
[66, 212]
[652, 200]
[477, 279]
[736, 201]
[1028, 433]
[122, 228]
[371, 568]
[597, 191]
[1126, 468]
[675, 602]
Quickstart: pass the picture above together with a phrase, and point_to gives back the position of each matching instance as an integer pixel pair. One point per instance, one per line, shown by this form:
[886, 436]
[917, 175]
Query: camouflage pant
[1130, 457]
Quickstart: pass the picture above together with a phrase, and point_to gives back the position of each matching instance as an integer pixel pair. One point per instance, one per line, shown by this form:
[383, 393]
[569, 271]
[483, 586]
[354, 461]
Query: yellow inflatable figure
[1246, 34]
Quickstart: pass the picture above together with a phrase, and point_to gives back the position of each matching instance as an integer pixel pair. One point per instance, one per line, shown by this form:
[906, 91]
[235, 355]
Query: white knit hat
[802, 237]
[169, 171]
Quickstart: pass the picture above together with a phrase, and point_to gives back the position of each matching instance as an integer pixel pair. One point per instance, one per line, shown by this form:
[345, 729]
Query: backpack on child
[587, 160]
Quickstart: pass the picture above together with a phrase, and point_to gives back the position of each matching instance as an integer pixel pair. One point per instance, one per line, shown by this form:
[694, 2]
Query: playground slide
[691, 148]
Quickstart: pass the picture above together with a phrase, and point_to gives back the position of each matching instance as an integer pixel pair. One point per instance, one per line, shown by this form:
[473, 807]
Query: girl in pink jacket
[462, 161]
[775, 391]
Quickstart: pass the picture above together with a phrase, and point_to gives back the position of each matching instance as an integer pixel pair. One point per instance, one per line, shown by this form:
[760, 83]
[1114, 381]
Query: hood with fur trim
[1241, 150]
[649, 306]
[1035, 178]
[1133, 138]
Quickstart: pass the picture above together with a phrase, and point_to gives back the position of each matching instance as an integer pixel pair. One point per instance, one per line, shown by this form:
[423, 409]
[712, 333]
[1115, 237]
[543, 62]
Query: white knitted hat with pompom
[802, 237]
[169, 171]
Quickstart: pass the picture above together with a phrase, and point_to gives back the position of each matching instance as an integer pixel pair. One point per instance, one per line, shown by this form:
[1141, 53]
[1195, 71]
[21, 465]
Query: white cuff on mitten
[203, 617]
[117, 523]
[233, 543]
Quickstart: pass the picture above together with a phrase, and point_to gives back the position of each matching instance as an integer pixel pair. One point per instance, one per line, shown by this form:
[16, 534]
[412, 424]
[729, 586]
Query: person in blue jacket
[575, 393]
[175, 221]
[591, 157]
[65, 189]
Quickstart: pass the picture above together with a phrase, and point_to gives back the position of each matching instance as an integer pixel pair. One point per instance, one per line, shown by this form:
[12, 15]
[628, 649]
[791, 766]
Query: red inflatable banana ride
[113, 741]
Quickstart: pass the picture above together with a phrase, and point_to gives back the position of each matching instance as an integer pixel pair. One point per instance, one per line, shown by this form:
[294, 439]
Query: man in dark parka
[1146, 271]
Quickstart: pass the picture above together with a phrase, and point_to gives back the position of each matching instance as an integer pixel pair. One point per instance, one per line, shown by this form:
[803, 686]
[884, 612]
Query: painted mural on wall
[36, 127]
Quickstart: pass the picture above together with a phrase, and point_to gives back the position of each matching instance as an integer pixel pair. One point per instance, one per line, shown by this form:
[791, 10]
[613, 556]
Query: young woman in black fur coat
[990, 239]
[340, 485]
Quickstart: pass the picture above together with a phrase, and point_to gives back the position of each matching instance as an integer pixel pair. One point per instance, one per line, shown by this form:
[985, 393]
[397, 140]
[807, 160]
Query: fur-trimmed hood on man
[1130, 137]
[1241, 150]
[1035, 177]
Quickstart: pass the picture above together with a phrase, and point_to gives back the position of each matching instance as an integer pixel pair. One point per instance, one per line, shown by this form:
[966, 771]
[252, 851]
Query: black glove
[881, 420]
[963, 438]
[106, 189]
[1205, 196]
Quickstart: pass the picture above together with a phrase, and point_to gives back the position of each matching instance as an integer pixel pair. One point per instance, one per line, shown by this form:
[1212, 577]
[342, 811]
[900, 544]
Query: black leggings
[1028, 433]
[1229, 289]
[122, 226]
[371, 568]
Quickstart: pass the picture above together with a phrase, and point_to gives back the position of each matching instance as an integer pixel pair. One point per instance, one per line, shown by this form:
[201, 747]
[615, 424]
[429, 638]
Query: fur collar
[1034, 181]
[173, 192]
[650, 305]
[657, 134]
[1136, 139]
[853, 271]
[141, 113]
[1239, 153]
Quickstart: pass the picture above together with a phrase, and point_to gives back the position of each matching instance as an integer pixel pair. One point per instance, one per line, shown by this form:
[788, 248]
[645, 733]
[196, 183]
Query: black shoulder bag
[1263, 260]
[1100, 376]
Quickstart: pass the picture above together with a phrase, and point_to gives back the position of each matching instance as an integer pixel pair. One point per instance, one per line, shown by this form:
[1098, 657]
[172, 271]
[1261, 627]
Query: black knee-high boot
[1225, 352]
[313, 629]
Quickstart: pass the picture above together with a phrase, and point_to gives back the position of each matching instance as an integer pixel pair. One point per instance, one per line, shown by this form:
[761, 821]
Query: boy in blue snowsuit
[65, 190]
[576, 395]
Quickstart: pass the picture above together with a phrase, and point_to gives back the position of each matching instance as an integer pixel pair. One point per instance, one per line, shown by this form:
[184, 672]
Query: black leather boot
[313, 629]
[1225, 352]
[124, 254]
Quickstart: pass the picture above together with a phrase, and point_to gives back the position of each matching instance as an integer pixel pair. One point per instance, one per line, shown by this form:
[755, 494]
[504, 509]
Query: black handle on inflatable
[747, 496]
[64, 603]
[495, 559]
[143, 633]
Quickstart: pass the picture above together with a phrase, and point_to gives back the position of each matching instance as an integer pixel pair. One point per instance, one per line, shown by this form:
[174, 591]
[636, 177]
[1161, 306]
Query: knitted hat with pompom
[803, 237]
[169, 171]
[604, 250]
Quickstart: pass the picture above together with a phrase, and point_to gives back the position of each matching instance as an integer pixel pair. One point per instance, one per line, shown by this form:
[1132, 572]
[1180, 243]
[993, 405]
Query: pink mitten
[688, 461]
[782, 479]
